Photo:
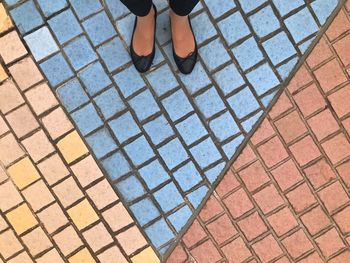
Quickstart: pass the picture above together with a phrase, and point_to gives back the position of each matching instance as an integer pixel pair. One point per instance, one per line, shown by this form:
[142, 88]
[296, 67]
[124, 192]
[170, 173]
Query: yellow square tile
[83, 214]
[146, 255]
[23, 173]
[21, 219]
[3, 74]
[72, 147]
[5, 21]
[83, 256]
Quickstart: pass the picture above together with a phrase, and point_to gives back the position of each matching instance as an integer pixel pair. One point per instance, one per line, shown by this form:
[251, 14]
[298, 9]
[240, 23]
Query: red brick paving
[286, 197]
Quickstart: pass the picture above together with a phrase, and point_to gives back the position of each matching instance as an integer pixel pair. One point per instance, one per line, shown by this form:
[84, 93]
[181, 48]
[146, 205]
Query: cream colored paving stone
[51, 256]
[112, 255]
[102, 194]
[57, 123]
[146, 255]
[9, 196]
[83, 214]
[25, 73]
[53, 169]
[10, 97]
[52, 218]
[72, 147]
[98, 237]
[38, 146]
[83, 256]
[21, 219]
[117, 217]
[21, 258]
[36, 241]
[67, 234]
[22, 121]
[23, 173]
[3, 224]
[10, 150]
[131, 240]
[38, 195]
[3, 126]
[41, 98]
[86, 171]
[9, 244]
[11, 47]
[3, 175]
[68, 192]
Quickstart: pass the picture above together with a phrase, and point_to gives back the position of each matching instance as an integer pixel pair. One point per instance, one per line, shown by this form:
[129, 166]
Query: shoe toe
[187, 65]
[142, 63]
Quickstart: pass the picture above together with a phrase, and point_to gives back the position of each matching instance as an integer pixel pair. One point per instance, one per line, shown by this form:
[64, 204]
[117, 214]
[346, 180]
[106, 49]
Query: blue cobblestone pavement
[162, 138]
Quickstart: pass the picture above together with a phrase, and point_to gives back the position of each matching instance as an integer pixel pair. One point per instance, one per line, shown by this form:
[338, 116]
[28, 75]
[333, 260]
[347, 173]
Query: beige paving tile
[10, 150]
[112, 255]
[10, 97]
[25, 73]
[3, 175]
[3, 224]
[67, 234]
[36, 241]
[38, 195]
[53, 218]
[11, 47]
[98, 237]
[9, 244]
[131, 240]
[117, 217]
[57, 123]
[50, 256]
[102, 194]
[22, 121]
[9, 196]
[38, 146]
[41, 98]
[21, 258]
[3, 126]
[68, 192]
[86, 171]
[53, 169]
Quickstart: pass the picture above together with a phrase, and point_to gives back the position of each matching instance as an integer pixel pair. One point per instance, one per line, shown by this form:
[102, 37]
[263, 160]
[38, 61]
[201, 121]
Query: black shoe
[143, 63]
[186, 65]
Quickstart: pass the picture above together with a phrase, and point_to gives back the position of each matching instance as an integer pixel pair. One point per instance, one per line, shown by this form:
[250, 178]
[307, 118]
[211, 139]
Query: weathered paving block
[163, 139]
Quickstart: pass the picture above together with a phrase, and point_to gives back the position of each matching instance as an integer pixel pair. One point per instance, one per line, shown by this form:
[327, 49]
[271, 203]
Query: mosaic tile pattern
[287, 196]
[161, 134]
[55, 203]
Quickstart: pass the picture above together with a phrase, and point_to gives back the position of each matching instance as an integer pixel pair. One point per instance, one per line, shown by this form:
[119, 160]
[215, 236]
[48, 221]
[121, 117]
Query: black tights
[143, 7]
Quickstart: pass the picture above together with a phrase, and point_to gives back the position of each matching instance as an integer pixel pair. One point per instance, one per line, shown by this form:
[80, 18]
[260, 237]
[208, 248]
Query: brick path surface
[163, 139]
[285, 198]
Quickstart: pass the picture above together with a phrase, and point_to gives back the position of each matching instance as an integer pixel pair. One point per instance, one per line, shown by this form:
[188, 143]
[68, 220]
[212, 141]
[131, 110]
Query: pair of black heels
[143, 63]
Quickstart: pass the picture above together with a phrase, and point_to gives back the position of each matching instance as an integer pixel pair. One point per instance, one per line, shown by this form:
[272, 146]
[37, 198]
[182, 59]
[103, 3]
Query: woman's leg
[138, 7]
[183, 7]
[183, 38]
[144, 31]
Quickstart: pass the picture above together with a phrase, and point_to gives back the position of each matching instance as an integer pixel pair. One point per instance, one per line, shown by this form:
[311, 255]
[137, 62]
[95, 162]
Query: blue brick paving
[163, 138]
